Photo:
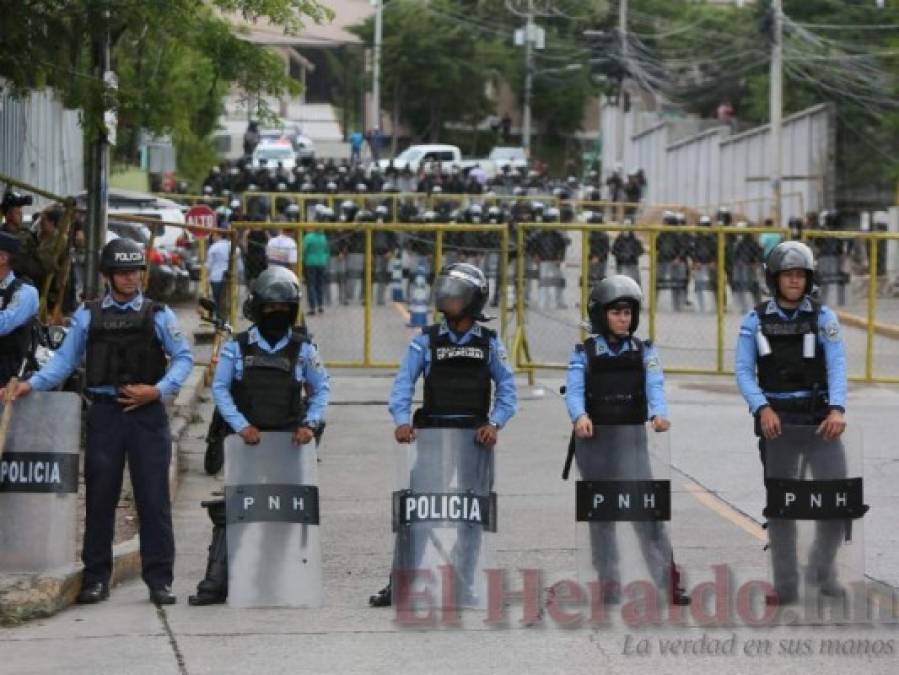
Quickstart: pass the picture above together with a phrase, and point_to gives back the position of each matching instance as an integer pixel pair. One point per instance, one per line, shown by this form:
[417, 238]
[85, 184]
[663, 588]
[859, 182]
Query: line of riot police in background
[684, 260]
[231, 178]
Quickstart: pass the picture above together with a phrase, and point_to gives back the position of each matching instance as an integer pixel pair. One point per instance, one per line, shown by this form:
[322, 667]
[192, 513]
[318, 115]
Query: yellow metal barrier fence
[332, 331]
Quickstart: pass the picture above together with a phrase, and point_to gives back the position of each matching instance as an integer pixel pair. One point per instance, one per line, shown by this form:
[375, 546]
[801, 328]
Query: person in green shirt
[315, 263]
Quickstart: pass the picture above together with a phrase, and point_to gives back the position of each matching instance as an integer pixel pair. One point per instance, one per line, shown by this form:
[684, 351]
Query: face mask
[274, 325]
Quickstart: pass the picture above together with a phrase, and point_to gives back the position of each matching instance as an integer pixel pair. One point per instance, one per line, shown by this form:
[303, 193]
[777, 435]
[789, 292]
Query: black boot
[214, 458]
[215, 444]
[383, 598]
[213, 589]
[676, 594]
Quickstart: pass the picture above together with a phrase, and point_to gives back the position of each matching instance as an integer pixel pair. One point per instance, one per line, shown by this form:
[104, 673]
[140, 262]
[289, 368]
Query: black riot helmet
[122, 255]
[789, 255]
[611, 291]
[275, 285]
[465, 282]
[724, 217]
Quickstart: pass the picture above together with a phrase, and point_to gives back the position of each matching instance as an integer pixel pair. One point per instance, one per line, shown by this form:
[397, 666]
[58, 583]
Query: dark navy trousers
[143, 437]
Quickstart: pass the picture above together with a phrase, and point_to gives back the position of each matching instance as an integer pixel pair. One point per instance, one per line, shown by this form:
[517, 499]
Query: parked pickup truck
[416, 156]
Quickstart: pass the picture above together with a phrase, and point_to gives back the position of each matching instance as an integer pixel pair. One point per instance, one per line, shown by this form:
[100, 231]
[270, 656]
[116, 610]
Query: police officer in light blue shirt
[791, 369]
[18, 306]
[135, 356]
[269, 378]
[457, 382]
[614, 385]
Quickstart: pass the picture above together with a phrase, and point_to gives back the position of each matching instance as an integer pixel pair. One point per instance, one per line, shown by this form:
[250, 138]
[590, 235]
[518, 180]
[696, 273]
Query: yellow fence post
[438, 263]
[232, 280]
[653, 296]
[60, 278]
[502, 291]
[366, 357]
[201, 255]
[585, 278]
[298, 267]
[719, 294]
[872, 312]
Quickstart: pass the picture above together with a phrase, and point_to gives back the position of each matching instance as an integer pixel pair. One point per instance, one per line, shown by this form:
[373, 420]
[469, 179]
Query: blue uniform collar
[603, 347]
[773, 308]
[135, 303]
[7, 280]
[475, 330]
[255, 337]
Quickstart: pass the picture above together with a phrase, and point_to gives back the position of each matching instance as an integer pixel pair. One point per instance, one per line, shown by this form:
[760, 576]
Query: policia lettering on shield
[460, 359]
[136, 355]
[791, 369]
[258, 387]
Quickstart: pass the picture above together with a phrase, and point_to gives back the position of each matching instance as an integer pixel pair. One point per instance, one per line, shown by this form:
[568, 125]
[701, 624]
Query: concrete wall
[687, 162]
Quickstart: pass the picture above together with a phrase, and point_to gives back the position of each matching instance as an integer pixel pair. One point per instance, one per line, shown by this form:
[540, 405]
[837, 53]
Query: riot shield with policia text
[271, 505]
[623, 500]
[442, 509]
[39, 482]
[814, 511]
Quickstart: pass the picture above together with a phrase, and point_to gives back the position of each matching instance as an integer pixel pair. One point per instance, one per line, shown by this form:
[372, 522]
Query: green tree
[435, 65]
[174, 59]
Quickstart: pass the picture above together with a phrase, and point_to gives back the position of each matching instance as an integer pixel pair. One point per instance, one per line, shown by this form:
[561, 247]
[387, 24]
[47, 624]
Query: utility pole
[622, 30]
[376, 66]
[98, 190]
[528, 80]
[776, 111]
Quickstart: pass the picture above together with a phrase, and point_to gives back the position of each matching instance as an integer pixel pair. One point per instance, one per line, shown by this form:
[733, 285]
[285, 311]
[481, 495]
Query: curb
[34, 596]
[884, 329]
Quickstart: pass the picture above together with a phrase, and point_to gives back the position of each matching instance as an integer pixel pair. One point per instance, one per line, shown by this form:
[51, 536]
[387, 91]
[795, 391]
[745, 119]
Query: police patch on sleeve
[653, 365]
[503, 356]
[316, 360]
[832, 331]
[174, 332]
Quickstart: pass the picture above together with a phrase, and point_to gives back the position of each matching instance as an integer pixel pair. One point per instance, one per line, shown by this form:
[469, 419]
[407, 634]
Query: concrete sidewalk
[717, 497]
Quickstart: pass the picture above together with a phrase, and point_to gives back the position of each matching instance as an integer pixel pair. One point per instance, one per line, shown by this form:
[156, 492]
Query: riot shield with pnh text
[271, 505]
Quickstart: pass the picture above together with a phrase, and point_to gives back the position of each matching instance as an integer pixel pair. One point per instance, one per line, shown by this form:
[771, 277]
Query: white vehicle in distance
[269, 154]
[302, 145]
[448, 156]
[513, 157]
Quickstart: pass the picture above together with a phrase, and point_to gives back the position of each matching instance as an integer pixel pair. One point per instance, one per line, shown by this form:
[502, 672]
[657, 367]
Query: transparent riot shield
[623, 500]
[39, 482]
[704, 284]
[814, 510]
[271, 505]
[443, 514]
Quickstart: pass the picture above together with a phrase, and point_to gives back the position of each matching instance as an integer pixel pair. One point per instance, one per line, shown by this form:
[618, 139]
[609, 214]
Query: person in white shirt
[281, 250]
[217, 258]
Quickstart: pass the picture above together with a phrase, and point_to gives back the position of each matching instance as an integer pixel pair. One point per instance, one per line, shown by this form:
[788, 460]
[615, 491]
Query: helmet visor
[453, 294]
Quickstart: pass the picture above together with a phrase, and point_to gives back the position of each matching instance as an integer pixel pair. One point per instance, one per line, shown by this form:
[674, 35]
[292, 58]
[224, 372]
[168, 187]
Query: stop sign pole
[201, 216]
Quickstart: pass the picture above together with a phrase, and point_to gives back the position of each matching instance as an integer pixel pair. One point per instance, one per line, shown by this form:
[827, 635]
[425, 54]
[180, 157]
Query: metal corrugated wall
[41, 143]
[713, 167]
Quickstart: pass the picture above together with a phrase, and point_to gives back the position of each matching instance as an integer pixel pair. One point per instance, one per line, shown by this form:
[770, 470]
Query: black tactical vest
[269, 395]
[785, 369]
[459, 381]
[615, 388]
[17, 344]
[122, 347]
